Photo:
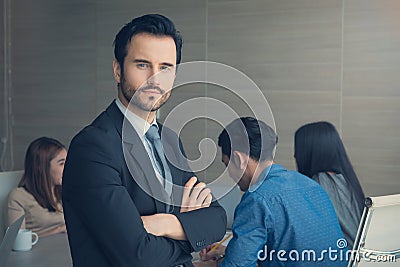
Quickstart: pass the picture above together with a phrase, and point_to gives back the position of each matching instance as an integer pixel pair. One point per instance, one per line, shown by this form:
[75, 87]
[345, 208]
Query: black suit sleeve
[203, 226]
[93, 192]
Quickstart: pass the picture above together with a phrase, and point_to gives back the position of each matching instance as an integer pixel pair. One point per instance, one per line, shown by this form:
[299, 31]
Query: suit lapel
[116, 116]
[136, 157]
[169, 142]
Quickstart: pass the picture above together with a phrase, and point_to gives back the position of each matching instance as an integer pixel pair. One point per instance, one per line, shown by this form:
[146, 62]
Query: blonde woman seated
[38, 194]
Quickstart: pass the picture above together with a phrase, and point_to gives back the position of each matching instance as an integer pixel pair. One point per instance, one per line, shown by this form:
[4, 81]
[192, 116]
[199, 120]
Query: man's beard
[150, 104]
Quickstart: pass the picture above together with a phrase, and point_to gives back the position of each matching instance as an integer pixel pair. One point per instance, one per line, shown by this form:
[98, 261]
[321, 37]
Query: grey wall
[2, 119]
[335, 60]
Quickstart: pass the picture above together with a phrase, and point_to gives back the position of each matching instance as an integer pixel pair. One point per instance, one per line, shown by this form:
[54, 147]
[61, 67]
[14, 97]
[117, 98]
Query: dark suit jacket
[103, 202]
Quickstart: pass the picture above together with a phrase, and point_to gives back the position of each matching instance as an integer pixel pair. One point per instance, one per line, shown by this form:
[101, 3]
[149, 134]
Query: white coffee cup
[24, 242]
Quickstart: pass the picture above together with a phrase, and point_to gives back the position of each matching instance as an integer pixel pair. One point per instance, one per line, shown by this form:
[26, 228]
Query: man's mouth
[152, 90]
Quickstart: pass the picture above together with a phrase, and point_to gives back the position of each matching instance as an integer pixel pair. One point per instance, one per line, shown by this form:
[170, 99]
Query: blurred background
[334, 60]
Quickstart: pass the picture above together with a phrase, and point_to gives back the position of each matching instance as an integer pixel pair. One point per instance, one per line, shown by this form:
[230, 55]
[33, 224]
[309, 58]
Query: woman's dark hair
[319, 148]
[36, 178]
[154, 24]
[250, 136]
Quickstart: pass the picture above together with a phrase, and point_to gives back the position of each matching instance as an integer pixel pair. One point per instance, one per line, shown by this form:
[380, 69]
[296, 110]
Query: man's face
[236, 173]
[149, 71]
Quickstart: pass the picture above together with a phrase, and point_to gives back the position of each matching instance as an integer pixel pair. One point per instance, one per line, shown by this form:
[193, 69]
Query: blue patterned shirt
[285, 219]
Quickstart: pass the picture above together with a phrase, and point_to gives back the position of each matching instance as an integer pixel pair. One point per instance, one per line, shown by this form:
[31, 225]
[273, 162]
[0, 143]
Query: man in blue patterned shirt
[283, 218]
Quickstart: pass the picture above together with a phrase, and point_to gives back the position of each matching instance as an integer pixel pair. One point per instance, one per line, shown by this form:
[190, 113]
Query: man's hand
[205, 264]
[154, 224]
[211, 258]
[168, 225]
[208, 254]
[162, 224]
[195, 196]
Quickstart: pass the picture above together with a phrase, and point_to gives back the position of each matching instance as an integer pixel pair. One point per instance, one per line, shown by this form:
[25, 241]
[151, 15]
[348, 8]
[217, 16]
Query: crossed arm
[98, 208]
[168, 225]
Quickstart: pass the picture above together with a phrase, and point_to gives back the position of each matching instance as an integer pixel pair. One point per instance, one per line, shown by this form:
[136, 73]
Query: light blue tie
[153, 136]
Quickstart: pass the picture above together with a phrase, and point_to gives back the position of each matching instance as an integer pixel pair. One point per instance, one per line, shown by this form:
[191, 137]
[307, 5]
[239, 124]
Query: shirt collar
[271, 169]
[140, 125]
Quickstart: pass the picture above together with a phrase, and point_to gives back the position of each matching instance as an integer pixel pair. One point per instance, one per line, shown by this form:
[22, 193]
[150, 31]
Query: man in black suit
[119, 204]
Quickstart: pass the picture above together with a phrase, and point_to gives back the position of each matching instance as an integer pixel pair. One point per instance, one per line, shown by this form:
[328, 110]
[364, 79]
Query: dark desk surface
[49, 251]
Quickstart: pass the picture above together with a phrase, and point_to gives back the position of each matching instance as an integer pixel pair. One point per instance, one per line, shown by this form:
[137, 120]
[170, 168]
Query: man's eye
[142, 65]
[166, 68]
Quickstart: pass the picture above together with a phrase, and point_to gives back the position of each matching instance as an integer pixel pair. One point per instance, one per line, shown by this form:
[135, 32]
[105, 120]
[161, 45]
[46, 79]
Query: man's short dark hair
[154, 24]
[250, 136]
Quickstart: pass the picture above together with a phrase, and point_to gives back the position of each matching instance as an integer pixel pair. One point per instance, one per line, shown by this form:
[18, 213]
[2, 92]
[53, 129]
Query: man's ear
[117, 71]
[240, 159]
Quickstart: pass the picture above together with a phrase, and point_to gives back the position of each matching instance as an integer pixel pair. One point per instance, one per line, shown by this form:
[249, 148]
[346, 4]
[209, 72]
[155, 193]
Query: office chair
[378, 240]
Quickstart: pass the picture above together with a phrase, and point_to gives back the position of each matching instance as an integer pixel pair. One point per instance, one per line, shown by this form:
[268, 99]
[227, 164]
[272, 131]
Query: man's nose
[154, 77]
